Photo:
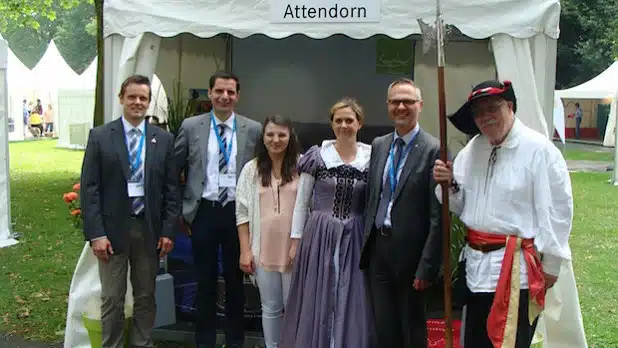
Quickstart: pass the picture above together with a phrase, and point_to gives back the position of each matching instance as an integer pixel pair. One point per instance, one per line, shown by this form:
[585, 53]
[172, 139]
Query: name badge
[136, 189]
[227, 180]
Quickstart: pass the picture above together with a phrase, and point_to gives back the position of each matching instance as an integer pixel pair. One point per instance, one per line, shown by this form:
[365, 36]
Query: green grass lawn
[594, 243]
[36, 273]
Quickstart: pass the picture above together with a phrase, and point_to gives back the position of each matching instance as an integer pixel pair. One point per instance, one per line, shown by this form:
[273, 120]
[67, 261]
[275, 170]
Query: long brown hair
[292, 151]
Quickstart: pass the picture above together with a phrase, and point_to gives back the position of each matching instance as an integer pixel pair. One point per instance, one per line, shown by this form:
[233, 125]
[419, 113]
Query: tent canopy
[478, 19]
[52, 71]
[603, 86]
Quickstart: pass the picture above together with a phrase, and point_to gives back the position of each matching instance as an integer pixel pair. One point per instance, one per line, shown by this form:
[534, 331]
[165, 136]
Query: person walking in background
[579, 115]
[265, 199]
[130, 203]
[26, 116]
[48, 119]
[211, 149]
[327, 306]
[402, 249]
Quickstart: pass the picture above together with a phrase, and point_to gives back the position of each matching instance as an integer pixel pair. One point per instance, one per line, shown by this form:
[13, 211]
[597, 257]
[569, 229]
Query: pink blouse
[276, 211]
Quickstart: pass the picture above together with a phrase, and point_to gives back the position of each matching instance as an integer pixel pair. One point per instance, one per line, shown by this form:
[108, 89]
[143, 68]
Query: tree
[587, 44]
[99, 100]
[77, 46]
[68, 30]
[29, 13]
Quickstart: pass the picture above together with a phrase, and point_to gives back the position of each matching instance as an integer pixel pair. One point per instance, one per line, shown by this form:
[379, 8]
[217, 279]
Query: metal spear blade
[431, 36]
[428, 33]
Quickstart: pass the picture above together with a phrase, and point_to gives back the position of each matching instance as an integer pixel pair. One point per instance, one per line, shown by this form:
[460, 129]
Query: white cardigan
[248, 204]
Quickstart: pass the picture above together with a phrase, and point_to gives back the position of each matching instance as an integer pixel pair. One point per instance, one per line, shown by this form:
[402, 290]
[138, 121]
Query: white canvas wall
[76, 109]
[5, 198]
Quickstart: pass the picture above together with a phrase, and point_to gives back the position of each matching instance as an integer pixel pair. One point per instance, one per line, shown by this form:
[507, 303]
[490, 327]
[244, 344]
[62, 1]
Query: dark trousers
[399, 309]
[213, 226]
[113, 274]
[477, 311]
[578, 125]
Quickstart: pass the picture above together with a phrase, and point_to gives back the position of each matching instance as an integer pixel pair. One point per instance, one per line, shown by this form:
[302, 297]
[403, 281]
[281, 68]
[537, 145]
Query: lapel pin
[154, 140]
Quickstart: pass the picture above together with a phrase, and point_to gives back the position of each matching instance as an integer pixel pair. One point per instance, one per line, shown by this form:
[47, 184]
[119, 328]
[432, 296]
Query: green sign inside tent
[395, 56]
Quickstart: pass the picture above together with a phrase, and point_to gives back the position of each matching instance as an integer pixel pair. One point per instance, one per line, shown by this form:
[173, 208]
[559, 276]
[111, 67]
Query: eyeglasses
[490, 108]
[406, 102]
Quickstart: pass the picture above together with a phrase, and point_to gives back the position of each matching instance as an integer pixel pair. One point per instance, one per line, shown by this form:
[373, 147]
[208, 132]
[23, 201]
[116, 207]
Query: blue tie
[137, 173]
[387, 190]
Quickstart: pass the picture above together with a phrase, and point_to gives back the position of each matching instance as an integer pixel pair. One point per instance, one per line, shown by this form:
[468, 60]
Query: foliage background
[29, 26]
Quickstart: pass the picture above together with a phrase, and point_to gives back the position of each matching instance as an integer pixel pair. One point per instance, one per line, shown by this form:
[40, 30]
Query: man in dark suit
[131, 203]
[402, 252]
[211, 150]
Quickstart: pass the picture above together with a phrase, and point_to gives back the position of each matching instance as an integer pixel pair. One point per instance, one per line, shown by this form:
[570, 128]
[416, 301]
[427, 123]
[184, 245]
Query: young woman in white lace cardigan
[265, 197]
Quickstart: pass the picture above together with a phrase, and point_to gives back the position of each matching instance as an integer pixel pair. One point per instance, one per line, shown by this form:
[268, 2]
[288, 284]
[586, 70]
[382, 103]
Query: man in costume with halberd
[510, 186]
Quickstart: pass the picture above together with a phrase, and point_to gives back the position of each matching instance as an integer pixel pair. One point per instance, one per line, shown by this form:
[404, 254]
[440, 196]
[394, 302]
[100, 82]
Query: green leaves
[588, 42]
[29, 13]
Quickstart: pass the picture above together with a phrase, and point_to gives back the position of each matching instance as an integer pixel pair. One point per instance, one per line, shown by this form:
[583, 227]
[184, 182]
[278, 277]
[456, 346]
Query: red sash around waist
[502, 320]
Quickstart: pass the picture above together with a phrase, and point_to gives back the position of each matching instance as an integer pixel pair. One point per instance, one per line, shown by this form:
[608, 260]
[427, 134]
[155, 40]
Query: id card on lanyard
[136, 188]
[227, 179]
[394, 171]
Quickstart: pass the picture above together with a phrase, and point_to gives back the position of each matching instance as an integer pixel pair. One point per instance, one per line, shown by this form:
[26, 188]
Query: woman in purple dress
[327, 306]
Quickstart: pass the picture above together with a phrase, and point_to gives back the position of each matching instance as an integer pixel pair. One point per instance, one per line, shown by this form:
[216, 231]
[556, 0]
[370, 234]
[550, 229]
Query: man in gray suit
[131, 202]
[211, 150]
[402, 248]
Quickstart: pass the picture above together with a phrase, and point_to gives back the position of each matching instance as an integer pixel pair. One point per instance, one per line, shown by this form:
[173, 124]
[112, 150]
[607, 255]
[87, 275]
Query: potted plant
[178, 108]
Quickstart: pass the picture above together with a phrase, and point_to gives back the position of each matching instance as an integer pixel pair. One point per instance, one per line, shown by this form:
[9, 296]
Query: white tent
[88, 78]
[51, 74]
[5, 197]
[74, 117]
[602, 86]
[146, 36]
[20, 82]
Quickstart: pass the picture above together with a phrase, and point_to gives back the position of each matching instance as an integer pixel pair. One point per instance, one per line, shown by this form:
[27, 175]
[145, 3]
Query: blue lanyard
[393, 171]
[226, 152]
[138, 157]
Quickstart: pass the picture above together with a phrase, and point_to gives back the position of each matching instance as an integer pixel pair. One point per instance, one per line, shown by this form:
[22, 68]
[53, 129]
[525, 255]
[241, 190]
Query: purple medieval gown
[327, 306]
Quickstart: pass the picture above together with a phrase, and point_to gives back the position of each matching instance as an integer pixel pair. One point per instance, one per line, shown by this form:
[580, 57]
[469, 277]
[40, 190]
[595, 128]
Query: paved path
[18, 342]
[590, 166]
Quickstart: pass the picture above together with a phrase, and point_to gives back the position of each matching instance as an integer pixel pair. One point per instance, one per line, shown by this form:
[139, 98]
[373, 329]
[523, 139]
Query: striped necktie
[222, 164]
[137, 173]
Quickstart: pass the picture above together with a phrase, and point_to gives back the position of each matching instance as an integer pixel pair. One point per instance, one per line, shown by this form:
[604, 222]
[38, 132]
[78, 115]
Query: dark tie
[387, 190]
[222, 163]
[137, 173]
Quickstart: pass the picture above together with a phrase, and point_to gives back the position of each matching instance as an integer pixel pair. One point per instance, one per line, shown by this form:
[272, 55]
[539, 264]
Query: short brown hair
[225, 76]
[405, 81]
[348, 103]
[138, 80]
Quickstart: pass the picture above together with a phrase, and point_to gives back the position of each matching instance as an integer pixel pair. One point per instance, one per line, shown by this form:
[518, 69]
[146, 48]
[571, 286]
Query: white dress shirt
[211, 186]
[528, 195]
[386, 176]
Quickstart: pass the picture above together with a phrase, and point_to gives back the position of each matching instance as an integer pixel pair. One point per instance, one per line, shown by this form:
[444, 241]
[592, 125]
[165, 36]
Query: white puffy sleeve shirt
[526, 192]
